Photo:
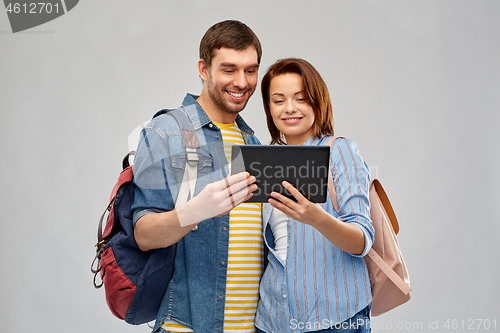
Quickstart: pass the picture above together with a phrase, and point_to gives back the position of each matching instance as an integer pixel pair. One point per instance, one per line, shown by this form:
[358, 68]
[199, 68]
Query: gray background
[414, 83]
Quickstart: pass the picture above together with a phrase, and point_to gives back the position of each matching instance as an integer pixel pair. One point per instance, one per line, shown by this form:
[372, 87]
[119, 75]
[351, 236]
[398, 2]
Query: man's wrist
[188, 213]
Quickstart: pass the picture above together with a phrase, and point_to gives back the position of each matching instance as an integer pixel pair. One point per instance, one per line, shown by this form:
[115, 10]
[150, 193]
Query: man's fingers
[243, 196]
[242, 177]
[242, 185]
[232, 190]
[233, 179]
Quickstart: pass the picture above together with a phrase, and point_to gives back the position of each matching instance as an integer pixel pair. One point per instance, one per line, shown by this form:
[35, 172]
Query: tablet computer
[305, 167]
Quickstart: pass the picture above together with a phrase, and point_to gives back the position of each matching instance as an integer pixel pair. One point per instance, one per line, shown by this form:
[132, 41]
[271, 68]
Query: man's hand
[157, 230]
[217, 198]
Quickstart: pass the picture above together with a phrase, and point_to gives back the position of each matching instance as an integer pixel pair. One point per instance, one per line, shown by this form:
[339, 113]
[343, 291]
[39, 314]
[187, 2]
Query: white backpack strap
[189, 179]
[191, 143]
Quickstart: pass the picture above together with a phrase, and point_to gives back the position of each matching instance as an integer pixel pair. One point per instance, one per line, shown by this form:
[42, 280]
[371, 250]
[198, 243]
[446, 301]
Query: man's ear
[202, 69]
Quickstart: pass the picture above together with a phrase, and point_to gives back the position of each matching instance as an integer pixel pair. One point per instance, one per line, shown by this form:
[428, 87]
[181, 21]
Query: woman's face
[291, 113]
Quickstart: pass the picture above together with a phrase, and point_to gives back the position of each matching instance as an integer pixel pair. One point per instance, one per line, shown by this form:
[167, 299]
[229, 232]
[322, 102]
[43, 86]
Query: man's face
[231, 78]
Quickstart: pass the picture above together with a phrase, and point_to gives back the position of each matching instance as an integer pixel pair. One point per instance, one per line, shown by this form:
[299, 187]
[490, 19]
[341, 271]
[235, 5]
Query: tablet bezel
[305, 167]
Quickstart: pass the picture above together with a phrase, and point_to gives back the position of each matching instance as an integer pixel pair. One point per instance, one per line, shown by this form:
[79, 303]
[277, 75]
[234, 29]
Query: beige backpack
[389, 277]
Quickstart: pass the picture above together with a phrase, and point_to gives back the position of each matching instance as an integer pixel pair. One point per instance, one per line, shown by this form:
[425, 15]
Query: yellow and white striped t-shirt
[245, 257]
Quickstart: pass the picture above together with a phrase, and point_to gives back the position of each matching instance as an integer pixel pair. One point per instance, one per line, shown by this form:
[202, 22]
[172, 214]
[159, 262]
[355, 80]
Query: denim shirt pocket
[204, 169]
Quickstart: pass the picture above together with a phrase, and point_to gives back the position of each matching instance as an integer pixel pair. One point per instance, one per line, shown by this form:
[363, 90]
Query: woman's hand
[346, 236]
[303, 210]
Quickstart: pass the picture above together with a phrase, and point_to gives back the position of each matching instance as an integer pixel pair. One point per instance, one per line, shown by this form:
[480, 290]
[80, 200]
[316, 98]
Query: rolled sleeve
[351, 180]
[152, 193]
[140, 213]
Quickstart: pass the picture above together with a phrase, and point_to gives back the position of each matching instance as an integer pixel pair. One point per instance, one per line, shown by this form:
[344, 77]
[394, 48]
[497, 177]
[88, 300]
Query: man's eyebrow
[229, 64]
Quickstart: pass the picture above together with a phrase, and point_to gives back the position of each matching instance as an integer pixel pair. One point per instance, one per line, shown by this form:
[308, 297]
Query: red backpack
[136, 281]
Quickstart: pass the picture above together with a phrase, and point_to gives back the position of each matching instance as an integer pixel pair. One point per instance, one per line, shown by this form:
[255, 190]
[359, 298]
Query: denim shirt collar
[200, 118]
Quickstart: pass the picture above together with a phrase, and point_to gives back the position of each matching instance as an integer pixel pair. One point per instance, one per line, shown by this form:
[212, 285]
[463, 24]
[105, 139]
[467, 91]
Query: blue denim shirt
[196, 294]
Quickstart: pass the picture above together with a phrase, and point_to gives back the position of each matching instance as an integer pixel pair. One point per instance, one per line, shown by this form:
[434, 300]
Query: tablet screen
[305, 167]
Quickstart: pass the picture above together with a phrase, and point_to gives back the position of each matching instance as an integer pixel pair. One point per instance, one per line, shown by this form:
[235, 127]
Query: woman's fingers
[301, 210]
[293, 191]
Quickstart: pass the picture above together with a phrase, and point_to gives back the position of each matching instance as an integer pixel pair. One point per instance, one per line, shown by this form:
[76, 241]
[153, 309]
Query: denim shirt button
[225, 228]
[222, 262]
[220, 296]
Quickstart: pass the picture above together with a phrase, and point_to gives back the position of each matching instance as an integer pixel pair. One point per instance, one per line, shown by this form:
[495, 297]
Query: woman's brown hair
[316, 93]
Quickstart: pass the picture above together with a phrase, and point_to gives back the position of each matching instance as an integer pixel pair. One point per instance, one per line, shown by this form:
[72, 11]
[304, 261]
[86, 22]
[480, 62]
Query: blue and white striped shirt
[319, 285]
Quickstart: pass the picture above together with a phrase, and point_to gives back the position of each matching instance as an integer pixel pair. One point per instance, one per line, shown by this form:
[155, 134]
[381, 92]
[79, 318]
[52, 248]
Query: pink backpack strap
[331, 187]
[389, 271]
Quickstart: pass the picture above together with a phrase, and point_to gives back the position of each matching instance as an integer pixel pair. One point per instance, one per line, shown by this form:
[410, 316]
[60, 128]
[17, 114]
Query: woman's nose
[290, 107]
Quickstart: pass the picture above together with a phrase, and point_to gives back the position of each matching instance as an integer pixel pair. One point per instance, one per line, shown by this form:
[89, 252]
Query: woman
[316, 279]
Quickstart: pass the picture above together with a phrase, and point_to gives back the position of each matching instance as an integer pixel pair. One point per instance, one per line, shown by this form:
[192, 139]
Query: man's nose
[240, 80]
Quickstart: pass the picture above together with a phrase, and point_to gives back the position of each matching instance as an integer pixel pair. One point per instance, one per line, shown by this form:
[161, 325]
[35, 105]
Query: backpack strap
[387, 269]
[384, 199]
[125, 176]
[191, 142]
[331, 187]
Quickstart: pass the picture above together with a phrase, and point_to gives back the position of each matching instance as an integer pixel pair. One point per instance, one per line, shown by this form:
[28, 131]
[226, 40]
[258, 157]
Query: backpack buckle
[192, 157]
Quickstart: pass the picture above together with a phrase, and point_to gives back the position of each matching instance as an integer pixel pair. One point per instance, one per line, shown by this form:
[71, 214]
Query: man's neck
[214, 112]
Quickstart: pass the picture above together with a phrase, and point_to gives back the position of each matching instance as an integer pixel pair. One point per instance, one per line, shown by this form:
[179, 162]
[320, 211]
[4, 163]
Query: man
[219, 258]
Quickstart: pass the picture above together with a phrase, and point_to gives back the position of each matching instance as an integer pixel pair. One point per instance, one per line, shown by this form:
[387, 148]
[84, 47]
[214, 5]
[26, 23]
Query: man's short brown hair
[230, 34]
